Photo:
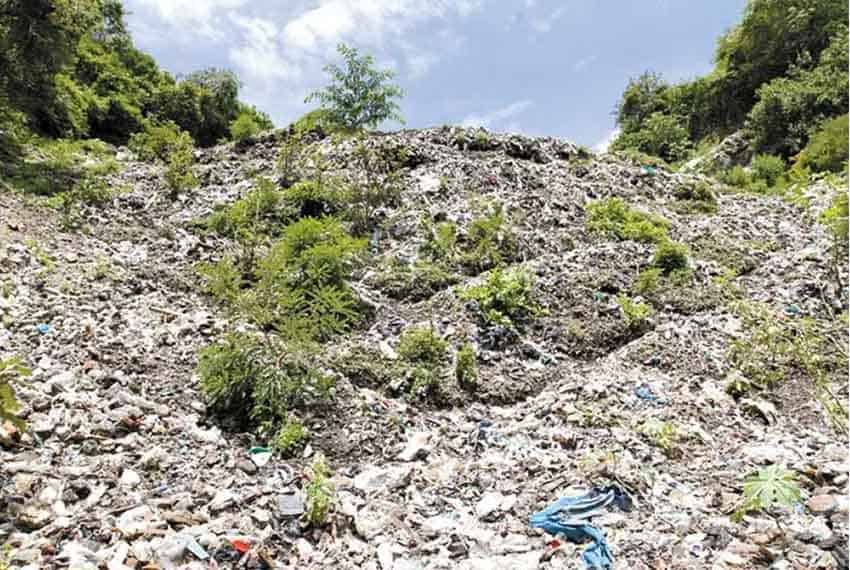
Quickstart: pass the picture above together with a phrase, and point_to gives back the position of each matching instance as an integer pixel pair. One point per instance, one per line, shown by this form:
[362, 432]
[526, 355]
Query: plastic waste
[648, 170]
[793, 310]
[43, 328]
[260, 455]
[570, 517]
[644, 392]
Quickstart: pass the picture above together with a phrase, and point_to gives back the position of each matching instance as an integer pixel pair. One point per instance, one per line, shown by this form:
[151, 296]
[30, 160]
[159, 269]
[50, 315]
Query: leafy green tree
[660, 135]
[827, 148]
[643, 96]
[359, 96]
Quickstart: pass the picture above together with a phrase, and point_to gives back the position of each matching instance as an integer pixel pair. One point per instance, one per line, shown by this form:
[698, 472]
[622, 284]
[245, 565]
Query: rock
[416, 447]
[822, 504]
[247, 466]
[374, 478]
[130, 479]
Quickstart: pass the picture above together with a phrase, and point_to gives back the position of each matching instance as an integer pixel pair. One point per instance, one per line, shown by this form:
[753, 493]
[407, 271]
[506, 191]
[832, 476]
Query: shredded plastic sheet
[570, 518]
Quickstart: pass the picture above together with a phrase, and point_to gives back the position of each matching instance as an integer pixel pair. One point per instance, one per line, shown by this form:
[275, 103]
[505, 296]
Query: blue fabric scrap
[570, 518]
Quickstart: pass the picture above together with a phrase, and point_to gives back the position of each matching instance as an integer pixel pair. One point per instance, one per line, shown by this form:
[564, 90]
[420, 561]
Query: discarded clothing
[570, 517]
[644, 392]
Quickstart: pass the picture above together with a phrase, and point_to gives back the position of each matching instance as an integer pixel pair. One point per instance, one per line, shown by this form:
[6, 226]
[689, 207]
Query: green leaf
[773, 485]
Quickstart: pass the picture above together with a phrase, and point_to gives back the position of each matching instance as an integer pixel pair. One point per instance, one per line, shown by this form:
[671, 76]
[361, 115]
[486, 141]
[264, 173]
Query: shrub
[11, 370]
[660, 135]
[260, 381]
[378, 186]
[305, 276]
[662, 434]
[490, 241]
[314, 199]
[441, 244]
[648, 280]
[244, 127]
[178, 172]
[696, 196]
[736, 176]
[466, 367]
[504, 298]
[414, 282]
[223, 280]
[158, 141]
[613, 217]
[827, 148]
[359, 96]
[636, 313]
[670, 256]
[290, 437]
[835, 218]
[422, 345]
[256, 212]
[320, 493]
[768, 167]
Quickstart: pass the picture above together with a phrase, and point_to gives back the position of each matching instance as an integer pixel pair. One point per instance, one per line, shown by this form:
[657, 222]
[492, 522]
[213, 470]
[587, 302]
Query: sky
[540, 67]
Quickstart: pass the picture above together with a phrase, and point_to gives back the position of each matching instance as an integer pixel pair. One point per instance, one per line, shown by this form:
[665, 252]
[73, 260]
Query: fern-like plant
[773, 485]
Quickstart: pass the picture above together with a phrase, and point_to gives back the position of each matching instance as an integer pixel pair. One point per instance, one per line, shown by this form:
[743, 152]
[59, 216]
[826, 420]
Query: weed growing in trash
[320, 493]
[636, 313]
[774, 348]
[695, 196]
[614, 218]
[11, 371]
[661, 434]
[466, 367]
[414, 282]
[426, 352]
[290, 437]
[771, 486]
[505, 298]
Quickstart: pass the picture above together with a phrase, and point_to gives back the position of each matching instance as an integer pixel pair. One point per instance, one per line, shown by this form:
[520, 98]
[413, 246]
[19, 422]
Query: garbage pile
[547, 463]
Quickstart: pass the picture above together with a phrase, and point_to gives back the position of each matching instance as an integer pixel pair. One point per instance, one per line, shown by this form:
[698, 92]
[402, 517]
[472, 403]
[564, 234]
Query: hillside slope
[124, 463]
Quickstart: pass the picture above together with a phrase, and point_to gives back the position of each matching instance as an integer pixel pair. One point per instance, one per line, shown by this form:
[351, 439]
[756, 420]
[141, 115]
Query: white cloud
[197, 16]
[420, 63]
[602, 146]
[499, 117]
[258, 55]
[583, 63]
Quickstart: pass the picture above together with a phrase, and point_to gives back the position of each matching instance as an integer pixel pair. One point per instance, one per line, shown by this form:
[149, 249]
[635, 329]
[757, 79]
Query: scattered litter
[43, 328]
[644, 392]
[571, 518]
[260, 455]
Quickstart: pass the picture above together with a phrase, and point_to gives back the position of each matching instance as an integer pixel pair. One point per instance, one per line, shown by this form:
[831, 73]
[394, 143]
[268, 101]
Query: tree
[359, 95]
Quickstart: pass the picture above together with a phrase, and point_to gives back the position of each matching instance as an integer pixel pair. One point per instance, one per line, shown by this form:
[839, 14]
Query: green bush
[648, 280]
[827, 148]
[313, 198]
[158, 141]
[635, 312]
[490, 241]
[250, 379]
[613, 217]
[320, 493]
[414, 282]
[660, 135]
[505, 298]
[358, 96]
[290, 437]
[736, 176]
[11, 371]
[441, 243]
[768, 167]
[178, 170]
[466, 367]
[670, 256]
[223, 280]
[835, 218]
[305, 276]
[255, 212]
[696, 196]
[422, 345]
[244, 127]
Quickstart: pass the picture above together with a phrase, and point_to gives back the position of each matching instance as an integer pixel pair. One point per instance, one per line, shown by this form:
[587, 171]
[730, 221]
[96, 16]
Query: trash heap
[122, 466]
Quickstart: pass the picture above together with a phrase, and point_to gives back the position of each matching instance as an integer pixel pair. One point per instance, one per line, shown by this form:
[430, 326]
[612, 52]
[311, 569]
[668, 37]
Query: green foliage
[314, 198]
[320, 493]
[244, 128]
[442, 240]
[736, 176]
[305, 276]
[466, 366]
[222, 280]
[290, 437]
[670, 256]
[772, 349]
[696, 196]
[791, 107]
[661, 135]
[90, 190]
[505, 298]
[256, 212]
[768, 167]
[422, 345]
[663, 435]
[248, 378]
[178, 169]
[773, 485]
[359, 96]
[157, 141]
[835, 218]
[826, 150]
[11, 370]
[416, 281]
[648, 280]
[636, 313]
[490, 241]
[379, 184]
[615, 218]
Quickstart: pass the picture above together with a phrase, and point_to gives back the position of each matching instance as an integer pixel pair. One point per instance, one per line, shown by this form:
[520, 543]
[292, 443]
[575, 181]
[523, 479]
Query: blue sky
[542, 67]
